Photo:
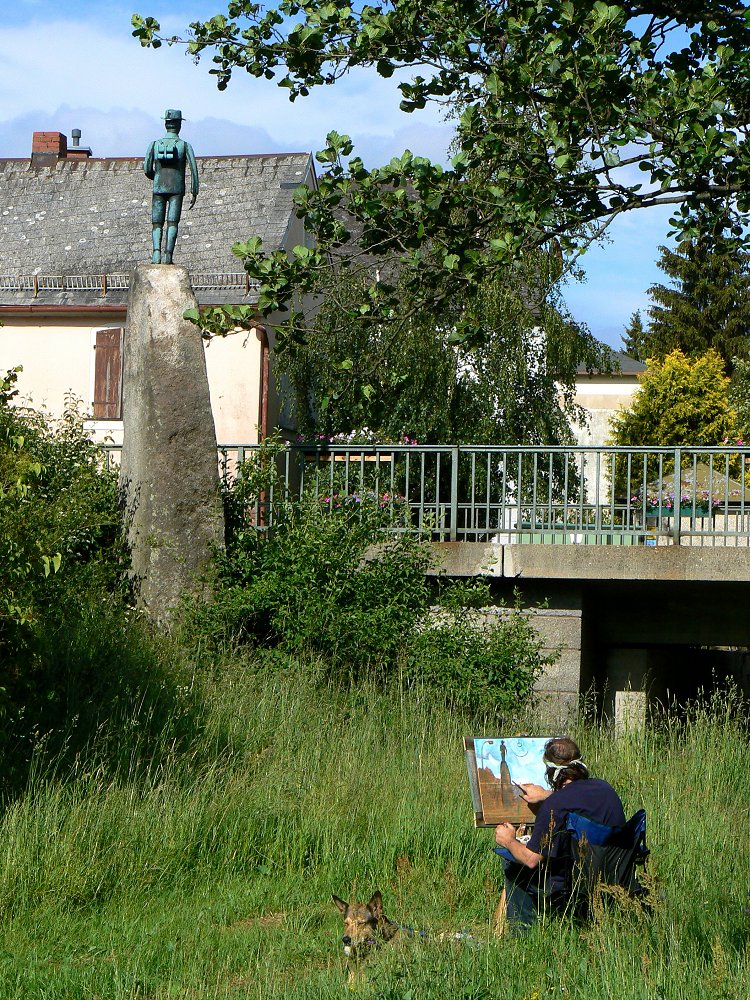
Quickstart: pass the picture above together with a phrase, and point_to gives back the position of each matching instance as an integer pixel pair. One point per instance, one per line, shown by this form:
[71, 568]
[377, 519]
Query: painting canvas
[493, 765]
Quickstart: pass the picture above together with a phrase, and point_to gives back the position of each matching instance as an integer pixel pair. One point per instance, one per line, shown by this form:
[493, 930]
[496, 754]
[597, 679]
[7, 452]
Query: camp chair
[605, 855]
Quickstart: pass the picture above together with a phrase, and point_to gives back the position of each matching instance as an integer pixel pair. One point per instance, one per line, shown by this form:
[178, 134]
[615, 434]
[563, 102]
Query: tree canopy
[568, 114]
[407, 380]
[680, 402]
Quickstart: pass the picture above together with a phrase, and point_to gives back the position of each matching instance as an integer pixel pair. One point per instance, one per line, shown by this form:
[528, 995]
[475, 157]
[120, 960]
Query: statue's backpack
[167, 151]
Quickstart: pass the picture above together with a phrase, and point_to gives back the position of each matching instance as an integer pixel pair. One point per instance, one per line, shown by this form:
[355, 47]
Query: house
[602, 394]
[73, 227]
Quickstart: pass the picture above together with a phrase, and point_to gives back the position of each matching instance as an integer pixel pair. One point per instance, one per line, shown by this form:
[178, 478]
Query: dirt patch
[266, 920]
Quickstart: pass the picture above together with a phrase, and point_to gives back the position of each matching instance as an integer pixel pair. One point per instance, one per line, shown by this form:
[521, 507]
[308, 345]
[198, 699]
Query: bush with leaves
[58, 509]
[62, 564]
[682, 401]
[335, 585]
[22, 555]
[478, 665]
[326, 581]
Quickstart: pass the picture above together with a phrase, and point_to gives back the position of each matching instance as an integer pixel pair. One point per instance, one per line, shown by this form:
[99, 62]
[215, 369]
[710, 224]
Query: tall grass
[209, 872]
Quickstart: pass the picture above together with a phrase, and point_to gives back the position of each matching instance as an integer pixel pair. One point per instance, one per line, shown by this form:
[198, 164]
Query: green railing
[517, 494]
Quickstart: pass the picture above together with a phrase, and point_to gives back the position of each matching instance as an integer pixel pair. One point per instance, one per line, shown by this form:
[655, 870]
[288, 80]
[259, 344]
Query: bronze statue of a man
[165, 163]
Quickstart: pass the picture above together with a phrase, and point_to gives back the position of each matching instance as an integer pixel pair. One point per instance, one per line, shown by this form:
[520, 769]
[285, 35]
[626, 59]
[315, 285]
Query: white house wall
[57, 358]
[601, 397]
[234, 366]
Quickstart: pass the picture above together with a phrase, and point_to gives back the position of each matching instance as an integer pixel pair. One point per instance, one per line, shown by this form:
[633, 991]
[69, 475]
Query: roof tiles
[93, 217]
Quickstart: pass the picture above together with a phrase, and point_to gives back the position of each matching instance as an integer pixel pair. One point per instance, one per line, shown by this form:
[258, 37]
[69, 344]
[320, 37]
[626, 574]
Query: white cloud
[49, 66]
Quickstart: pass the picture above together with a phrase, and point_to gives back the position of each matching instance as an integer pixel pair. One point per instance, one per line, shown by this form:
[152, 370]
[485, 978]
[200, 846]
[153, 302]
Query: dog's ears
[375, 906]
[341, 905]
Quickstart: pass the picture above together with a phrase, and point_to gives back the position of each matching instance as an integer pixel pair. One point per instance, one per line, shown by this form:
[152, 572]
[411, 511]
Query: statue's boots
[156, 257]
[167, 259]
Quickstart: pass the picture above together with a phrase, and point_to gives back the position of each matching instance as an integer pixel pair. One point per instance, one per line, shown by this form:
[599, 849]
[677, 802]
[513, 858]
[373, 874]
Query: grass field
[202, 866]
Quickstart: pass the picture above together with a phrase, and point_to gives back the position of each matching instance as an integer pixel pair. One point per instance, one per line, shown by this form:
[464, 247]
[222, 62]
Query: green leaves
[565, 115]
[51, 564]
[605, 15]
[146, 29]
[220, 321]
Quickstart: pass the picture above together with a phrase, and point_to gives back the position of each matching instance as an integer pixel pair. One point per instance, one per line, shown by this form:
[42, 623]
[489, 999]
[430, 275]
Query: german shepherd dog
[366, 927]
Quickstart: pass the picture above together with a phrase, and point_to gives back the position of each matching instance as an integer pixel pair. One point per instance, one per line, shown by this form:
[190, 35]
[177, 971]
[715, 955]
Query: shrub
[326, 581]
[478, 664]
[59, 514]
[334, 583]
[65, 636]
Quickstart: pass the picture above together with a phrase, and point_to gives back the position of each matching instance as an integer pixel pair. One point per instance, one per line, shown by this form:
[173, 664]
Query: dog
[366, 926]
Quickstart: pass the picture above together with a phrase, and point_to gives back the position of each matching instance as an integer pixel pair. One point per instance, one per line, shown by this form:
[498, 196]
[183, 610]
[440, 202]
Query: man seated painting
[537, 873]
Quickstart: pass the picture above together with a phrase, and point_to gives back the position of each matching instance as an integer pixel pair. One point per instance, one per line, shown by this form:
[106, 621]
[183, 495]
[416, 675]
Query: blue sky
[75, 65]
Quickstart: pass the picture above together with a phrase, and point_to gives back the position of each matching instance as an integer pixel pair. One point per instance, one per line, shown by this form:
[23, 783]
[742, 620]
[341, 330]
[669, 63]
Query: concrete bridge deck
[594, 562]
[633, 623]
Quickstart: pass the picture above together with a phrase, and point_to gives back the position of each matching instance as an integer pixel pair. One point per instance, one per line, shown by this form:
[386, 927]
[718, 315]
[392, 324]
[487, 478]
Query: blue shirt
[591, 797]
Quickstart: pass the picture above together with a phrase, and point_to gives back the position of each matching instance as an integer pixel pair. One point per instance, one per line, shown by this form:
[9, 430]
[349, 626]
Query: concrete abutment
[634, 625]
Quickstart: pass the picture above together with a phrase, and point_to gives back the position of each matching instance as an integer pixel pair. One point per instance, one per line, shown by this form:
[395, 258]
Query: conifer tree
[634, 338]
[707, 303]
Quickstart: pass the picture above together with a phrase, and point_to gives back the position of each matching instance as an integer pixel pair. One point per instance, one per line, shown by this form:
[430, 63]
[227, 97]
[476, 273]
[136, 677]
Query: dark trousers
[526, 896]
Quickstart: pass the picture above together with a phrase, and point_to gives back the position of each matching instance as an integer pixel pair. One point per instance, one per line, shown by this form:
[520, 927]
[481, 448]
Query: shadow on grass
[95, 680]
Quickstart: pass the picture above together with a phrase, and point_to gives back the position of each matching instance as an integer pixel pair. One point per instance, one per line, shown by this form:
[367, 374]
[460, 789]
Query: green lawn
[205, 868]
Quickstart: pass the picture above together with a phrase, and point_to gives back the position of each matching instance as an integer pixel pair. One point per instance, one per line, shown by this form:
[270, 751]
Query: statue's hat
[173, 115]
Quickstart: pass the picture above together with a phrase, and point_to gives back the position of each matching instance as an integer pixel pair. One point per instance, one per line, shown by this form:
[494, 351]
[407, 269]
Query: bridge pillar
[559, 687]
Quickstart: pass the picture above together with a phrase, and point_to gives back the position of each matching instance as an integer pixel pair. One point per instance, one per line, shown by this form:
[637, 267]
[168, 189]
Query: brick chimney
[47, 148]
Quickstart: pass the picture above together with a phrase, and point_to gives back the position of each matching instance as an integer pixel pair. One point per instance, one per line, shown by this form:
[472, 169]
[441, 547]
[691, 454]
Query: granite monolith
[169, 477]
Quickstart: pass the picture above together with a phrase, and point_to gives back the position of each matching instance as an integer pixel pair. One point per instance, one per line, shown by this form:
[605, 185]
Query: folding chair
[605, 855]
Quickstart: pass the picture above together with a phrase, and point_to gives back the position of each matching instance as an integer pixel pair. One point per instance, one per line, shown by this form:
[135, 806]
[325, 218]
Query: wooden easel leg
[500, 920]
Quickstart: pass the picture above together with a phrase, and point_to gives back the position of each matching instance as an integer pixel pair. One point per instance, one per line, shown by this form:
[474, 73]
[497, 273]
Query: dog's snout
[346, 939]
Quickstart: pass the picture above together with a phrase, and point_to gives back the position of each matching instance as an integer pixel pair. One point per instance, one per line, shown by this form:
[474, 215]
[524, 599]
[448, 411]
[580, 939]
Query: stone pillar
[630, 711]
[627, 683]
[559, 687]
[169, 476]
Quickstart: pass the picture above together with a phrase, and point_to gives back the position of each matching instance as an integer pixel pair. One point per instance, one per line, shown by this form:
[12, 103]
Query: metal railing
[38, 284]
[518, 494]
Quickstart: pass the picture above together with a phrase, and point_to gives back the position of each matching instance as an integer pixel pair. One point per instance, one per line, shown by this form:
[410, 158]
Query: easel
[500, 917]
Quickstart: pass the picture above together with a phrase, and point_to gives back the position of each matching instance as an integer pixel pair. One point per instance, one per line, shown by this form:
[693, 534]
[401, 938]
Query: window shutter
[108, 375]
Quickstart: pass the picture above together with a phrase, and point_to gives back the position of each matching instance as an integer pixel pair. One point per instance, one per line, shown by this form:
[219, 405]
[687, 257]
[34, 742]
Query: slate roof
[622, 364]
[92, 217]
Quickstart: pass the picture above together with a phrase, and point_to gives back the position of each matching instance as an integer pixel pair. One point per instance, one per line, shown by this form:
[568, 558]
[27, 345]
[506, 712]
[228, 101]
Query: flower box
[685, 510]
[354, 457]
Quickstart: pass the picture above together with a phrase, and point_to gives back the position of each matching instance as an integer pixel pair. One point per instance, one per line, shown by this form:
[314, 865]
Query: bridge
[636, 560]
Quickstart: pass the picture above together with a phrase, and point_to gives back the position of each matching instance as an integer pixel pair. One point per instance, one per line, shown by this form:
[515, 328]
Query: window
[108, 374]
